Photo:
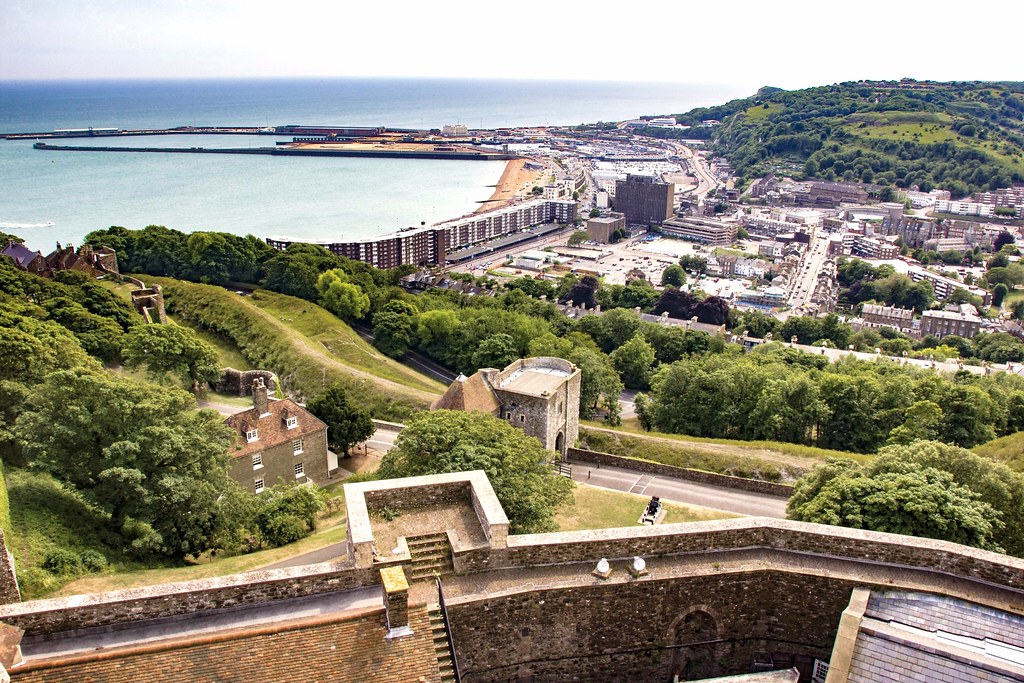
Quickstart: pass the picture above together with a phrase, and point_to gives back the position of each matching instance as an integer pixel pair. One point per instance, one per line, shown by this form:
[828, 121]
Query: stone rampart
[579, 455]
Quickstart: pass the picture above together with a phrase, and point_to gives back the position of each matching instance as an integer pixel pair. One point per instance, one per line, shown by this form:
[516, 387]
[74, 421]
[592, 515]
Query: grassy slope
[1007, 449]
[767, 460]
[304, 344]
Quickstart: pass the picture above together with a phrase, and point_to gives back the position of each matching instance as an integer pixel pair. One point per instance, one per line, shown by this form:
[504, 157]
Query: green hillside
[963, 136]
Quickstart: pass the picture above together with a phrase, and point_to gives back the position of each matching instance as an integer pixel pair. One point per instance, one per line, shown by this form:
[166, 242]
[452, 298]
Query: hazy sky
[787, 43]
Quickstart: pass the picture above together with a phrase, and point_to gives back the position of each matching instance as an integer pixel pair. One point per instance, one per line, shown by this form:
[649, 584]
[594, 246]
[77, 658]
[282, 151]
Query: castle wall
[239, 382]
[697, 626]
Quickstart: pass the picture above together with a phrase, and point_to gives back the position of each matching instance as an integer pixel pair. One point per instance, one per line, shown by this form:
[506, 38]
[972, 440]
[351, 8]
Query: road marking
[639, 486]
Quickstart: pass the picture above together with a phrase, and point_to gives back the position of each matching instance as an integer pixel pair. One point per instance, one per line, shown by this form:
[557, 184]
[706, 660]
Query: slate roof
[921, 637]
[271, 429]
[326, 649]
[21, 254]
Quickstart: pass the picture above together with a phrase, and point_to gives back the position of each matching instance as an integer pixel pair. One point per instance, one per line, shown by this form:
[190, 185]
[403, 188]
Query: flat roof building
[644, 199]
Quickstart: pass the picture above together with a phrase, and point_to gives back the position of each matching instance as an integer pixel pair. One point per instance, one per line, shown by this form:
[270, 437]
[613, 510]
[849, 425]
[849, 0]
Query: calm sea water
[50, 196]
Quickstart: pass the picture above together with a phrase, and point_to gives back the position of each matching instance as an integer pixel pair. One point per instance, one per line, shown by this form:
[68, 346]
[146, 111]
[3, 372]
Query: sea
[49, 196]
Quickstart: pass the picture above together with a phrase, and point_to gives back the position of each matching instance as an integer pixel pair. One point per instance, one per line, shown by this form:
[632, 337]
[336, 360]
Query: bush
[284, 529]
[63, 562]
[93, 560]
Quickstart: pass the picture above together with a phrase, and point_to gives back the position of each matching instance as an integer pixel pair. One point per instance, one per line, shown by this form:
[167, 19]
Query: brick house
[277, 441]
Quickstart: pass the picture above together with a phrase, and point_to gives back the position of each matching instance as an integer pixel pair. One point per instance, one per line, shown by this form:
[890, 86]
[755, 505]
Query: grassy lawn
[597, 508]
[228, 355]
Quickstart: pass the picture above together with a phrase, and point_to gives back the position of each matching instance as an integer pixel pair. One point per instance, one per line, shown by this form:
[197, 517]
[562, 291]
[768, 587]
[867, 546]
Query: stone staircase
[431, 555]
[443, 652]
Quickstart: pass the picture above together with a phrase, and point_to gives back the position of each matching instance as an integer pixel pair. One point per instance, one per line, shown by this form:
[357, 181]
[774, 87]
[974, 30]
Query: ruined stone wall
[697, 626]
[150, 304]
[9, 591]
[239, 382]
[579, 455]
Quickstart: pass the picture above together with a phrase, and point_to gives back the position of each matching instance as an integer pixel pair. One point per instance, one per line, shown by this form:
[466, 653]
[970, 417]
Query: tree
[673, 276]
[577, 238]
[906, 498]
[341, 297]
[1002, 239]
[694, 264]
[634, 360]
[347, 424]
[139, 452]
[497, 351]
[171, 348]
[999, 293]
[392, 328]
[517, 466]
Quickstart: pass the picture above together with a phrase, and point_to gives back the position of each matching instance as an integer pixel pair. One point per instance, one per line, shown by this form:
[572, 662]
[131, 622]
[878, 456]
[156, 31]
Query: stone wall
[771, 488]
[170, 600]
[239, 382]
[9, 591]
[150, 304]
[695, 626]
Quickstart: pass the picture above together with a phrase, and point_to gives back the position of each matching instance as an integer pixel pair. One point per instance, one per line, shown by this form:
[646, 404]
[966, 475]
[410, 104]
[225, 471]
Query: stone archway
[693, 653]
[560, 443]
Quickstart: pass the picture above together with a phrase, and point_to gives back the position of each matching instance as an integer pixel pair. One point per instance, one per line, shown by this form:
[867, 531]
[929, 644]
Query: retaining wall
[580, 455]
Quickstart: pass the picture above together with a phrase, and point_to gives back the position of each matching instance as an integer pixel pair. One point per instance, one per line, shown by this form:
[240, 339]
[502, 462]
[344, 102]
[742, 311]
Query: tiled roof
[327, 650]
[468, 393]
[271, 429]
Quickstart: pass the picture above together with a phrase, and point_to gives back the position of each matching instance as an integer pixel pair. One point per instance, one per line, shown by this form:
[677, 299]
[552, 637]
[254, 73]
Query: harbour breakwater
[333, 151]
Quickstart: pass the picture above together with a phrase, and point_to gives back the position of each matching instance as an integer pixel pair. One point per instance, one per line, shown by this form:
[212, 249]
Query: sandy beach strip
[515, 178]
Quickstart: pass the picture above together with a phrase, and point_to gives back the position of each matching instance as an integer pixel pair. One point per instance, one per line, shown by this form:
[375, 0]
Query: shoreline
[515, 177]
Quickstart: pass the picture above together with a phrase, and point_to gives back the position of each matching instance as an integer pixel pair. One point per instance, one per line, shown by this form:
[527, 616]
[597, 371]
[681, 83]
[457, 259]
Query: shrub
[284, 529]
[63, 562]
[93, 560]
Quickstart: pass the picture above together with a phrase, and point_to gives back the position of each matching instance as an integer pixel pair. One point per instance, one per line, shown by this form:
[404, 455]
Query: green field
[1007, 449]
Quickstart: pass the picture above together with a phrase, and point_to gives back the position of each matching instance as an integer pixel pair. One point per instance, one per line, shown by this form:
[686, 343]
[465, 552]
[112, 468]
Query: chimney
[259, 397]
[396, 601]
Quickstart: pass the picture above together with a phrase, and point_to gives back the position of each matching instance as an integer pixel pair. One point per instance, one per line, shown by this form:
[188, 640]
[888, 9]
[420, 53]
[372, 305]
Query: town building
[277, 441]
[944, 323]
[702, 230]
[430, 245]
[26, 259]
[643, 199]
[601, 228]
[901, 319]
[540, 396]
[869, 247]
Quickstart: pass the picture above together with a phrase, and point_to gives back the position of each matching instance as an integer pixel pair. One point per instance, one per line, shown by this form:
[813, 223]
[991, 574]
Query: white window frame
[258, 485]
[257, 461]
[292, 422]
[297, 447]
[300, 471]
[252, 435]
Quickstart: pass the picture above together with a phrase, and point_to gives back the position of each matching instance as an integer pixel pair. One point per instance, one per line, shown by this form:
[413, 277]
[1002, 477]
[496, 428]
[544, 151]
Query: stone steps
[441, 649]
[431, 555]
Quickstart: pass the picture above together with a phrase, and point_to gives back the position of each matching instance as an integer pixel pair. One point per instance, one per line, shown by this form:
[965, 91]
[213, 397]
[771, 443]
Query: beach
[515, 181]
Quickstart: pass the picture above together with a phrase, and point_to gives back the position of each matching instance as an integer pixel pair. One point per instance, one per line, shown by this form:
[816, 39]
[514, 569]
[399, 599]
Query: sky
[785, 43]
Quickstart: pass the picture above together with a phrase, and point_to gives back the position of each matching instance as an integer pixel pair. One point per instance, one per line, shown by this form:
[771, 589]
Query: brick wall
[649, 467]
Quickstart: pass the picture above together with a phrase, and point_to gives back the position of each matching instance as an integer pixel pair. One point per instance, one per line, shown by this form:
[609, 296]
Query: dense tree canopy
[347, 424]
[925, 489]
[171, 349]
[452, 441]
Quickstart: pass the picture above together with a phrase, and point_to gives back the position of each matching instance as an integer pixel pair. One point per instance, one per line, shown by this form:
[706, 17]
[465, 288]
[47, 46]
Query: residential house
[277, 441]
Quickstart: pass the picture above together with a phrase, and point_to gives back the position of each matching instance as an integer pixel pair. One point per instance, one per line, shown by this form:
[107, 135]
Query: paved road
[680, 491]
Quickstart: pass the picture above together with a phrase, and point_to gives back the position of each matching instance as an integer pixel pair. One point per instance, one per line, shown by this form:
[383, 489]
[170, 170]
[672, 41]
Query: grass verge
[764, 460]
[597, 508]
